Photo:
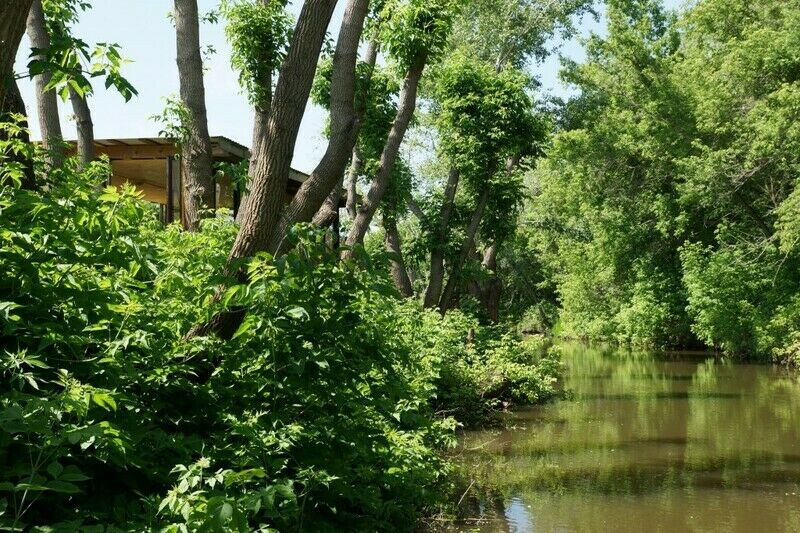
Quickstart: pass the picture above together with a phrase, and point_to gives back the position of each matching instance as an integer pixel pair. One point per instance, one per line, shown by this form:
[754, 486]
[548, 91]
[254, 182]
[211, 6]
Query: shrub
[318, 412]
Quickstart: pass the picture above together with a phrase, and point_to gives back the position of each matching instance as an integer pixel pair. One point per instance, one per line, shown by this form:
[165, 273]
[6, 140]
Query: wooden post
[174, 185]
[170, 215]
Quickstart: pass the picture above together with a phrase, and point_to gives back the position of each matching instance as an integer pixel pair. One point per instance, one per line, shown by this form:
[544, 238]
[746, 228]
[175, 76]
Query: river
[650, 442]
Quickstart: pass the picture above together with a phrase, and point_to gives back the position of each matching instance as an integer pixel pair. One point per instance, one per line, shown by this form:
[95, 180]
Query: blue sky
[148, 40]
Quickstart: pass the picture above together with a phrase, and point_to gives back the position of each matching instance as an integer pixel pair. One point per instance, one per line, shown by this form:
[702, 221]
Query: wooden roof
[222, 148]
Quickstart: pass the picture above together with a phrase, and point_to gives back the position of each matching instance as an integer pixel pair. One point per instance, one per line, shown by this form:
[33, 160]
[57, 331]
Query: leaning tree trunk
[85, 127]
[356, 164]
[46, 102]
[330, 208]
[466, 247]
[13, 15]
[196, 171]
[391, 149]
[397, 264]
[329, 211]
[261, 208]
[344, 125]
[264, 203]
[434, 290]
[260, 122]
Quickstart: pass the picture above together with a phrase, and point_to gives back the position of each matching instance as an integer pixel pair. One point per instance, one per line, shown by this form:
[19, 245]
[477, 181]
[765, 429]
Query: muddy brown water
[655, 442]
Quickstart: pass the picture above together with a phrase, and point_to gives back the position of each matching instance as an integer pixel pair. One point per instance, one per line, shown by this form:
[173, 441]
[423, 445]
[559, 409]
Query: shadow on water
[644, 442]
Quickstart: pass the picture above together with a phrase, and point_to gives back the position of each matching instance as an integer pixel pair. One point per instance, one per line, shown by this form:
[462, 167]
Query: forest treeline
[667, 211]
[282, 372]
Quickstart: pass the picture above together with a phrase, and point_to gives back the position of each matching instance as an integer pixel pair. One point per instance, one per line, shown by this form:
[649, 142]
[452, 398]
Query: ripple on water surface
[645, 442]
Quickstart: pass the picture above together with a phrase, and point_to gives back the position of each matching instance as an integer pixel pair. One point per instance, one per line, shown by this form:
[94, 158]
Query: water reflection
[669, 442]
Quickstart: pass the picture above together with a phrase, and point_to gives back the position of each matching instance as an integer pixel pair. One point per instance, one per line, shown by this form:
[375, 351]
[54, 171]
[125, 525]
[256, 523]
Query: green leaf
[297, 312]
[63, 487]
[246, 325]
[55, 469]
[73, 473]
[104, 400]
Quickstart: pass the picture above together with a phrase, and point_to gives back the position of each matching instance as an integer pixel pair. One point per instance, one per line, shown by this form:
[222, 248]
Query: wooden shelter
[151, 165]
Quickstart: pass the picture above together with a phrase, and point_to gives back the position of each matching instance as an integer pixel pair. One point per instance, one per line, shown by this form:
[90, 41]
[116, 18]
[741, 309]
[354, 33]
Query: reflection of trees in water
[640, 425]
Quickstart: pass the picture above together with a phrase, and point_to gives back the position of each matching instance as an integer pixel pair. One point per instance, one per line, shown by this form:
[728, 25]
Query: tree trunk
[85, 127]
[326, 212]
[46, 102]
[196, 171]
[260, 122]
[492, 290]
[405, 110]
[261, 208]
[397, 264]
[469, 241]
[330, 208]
[466, 246]
[434, 290]
[263, 205]
[344, 126]
[13, 14]
[356, 164]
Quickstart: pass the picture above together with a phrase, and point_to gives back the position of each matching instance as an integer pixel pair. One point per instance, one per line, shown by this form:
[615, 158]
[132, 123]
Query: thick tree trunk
[85, 127]
[260, 121]
[330, 208]
[397, 264]
[434, 290]
[405, 110]
[344, 128]
[264, 203]
[46, 102]
[196, 171]
[260, 124]
[13, 15]
[261, 208]
[466, 246]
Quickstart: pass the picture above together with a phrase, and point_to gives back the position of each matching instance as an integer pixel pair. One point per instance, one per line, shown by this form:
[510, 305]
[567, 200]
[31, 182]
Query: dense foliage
[664, 210]
[319, 413]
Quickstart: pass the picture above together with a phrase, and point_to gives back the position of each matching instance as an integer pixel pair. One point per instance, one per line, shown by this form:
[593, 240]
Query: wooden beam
[144, 151]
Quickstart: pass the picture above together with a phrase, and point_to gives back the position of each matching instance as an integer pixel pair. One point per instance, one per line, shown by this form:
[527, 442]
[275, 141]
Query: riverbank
[680, 441]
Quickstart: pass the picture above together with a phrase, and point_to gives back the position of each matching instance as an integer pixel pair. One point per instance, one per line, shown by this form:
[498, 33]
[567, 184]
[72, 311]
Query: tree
[413, 32]
[199, 190]
[263, 205]
[258, 31]
[64, 62]
[47, 103]
[364, 111]
[13, 15]
[485, 122]
[345, 122]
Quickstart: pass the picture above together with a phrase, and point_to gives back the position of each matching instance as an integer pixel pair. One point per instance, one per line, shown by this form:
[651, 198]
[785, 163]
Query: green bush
[484, 370]
[319, 413]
